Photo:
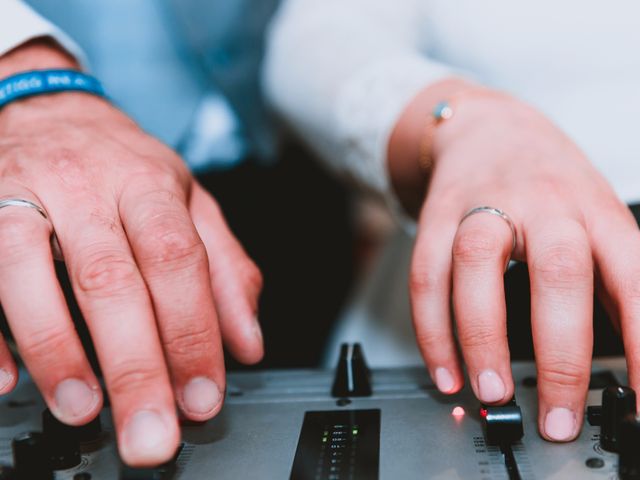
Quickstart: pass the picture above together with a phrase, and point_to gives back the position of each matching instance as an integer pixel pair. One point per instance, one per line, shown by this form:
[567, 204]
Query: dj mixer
[351, 423]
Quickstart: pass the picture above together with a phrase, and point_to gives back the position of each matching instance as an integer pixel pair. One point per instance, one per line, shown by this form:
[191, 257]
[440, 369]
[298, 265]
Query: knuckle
[158, 180]
[252, 275]
[423, 280]
[45, 343]
[166, 243]
[106, 273]
[479, 336]
[166, 178]
[477, 246]
[563, 264]
[562, 373]
[134, 375]
[432, 338]
[189, 342]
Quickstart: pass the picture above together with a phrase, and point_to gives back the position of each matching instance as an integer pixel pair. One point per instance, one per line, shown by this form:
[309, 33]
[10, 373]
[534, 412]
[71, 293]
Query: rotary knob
[629, 449]
[62, 444]
[617, 404]
[30, 459]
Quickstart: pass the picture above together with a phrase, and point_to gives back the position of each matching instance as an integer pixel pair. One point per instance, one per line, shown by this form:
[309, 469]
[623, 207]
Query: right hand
[572, 230]
[158, 276]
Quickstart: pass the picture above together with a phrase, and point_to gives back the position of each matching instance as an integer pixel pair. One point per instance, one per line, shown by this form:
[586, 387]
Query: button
[594, 462]
[594, 415]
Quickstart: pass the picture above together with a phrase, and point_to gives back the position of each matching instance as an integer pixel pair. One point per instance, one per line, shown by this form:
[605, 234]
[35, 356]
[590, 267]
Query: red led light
[483, 412]
[458, 411]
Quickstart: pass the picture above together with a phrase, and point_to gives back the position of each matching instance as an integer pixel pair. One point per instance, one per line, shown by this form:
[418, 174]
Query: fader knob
[502, 424]
[629, 449]
[62, 444]
[30, 459]
[352, 377]
[617, 403]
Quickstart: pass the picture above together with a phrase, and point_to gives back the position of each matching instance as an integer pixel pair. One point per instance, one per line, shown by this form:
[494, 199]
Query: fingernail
[560, 424]
[74, 398]
[201, 396]
[145, 437]
[444, 380]
[490, 386]
[5, 379]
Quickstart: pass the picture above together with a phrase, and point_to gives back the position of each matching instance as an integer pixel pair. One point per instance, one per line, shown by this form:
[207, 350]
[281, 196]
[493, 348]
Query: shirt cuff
[368, 108]
[19, 23]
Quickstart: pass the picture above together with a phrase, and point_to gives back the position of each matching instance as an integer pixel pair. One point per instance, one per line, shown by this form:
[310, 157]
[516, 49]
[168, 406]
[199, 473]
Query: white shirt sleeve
[19, 23]
[342, 71]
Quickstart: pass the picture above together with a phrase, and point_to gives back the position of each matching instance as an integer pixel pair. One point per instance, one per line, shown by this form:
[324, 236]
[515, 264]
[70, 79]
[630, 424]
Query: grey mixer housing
[287, 424]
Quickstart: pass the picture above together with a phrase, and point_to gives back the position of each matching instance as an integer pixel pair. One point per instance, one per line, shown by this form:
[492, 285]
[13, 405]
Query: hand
[158, 275]
[571, 228]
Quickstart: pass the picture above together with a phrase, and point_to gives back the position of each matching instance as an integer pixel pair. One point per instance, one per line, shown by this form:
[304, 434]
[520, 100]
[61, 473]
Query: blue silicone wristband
[39, 82]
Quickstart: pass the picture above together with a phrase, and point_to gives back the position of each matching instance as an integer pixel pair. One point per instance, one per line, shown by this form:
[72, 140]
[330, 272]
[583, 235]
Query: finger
[561, 271]
[174, 264]
[8, 370]
[619, 269]
[39, 319]
[235, 280]
[430, 289]
[481, 250]
[116, 305]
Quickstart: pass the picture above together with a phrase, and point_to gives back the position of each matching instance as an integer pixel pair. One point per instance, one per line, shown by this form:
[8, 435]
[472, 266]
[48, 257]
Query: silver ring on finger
[499, 213]
[21, 202]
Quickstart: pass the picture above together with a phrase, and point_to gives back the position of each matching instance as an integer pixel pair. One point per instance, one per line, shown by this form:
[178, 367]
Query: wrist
[38, 54]
[408, 176]
[69, 107]
[45, 54]
[473, 113]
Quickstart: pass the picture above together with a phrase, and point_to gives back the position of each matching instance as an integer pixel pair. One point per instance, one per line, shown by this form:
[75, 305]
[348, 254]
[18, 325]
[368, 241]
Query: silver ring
[499, 213]
[19, 202]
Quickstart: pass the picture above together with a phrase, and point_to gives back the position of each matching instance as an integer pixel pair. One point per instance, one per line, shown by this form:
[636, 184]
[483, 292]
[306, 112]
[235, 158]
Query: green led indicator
[324, 440]
[354, 431]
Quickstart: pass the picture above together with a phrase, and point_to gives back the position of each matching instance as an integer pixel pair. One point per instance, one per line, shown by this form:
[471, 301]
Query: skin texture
[573, 232]
[159, 277]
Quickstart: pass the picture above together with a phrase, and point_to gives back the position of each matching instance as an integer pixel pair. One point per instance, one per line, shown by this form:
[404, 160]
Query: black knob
[502, 424]
[352, 373]
[91, 432]
[629, 449]
[158, 473]
[7, 473]
[62, 444]
[617, 403]
[165, 471]
[30, 459]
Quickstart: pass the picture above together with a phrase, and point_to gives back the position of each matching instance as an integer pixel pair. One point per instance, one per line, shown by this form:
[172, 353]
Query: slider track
[510, 462]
